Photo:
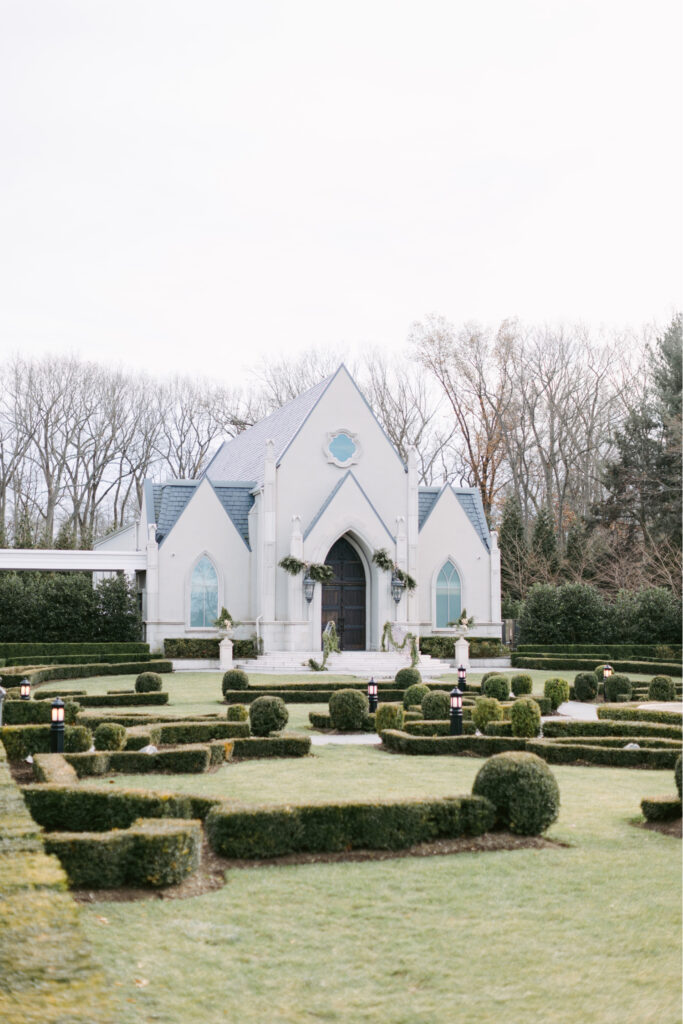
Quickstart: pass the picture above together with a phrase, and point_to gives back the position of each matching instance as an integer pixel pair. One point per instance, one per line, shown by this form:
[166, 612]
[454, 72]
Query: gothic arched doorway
[343, 598]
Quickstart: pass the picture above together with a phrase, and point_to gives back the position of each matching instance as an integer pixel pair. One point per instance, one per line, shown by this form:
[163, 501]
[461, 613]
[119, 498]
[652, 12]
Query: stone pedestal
[225, 649]
[462, 653]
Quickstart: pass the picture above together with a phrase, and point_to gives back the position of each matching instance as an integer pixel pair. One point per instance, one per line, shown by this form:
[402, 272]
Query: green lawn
[586, 933]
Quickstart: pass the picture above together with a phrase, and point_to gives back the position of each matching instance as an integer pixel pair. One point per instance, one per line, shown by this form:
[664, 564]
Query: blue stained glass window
[342, 447]
[447, 596]
[204, 594]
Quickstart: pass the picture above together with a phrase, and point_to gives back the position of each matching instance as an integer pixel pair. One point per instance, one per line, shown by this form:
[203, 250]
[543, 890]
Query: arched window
[203, 594]
[447, 596]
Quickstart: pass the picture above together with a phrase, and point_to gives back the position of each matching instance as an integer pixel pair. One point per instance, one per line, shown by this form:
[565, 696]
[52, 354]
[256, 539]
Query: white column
[495, 608]
[401, 609]
[152, 582]
[269, 534]
[295, 584]
[412, 533]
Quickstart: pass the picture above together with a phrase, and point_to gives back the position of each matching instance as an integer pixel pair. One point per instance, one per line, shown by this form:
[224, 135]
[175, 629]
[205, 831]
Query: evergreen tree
[544, 541]
[514, 551]
[23, 530]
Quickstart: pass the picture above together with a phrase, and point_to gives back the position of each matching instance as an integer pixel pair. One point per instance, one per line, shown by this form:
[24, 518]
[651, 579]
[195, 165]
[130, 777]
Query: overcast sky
[190, 186]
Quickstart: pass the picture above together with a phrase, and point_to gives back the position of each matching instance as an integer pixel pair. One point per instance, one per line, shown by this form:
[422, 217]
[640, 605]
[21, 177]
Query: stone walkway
[366, 739]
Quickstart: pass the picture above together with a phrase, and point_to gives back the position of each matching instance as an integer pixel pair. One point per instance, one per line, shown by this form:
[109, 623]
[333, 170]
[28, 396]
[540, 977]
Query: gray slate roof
[171, 499]
[470, 500]
[242, 457]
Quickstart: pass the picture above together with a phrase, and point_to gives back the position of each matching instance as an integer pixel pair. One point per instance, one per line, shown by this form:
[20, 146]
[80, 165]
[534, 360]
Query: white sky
[192, 186]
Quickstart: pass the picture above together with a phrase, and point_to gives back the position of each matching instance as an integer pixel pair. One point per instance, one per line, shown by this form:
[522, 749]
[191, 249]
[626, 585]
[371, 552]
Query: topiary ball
[388, 716]
[77, 739]
[497, 686]
[267, 714]
[525, 716]
[487, 675]
[661, 688]
[415, 694]
[238, 713]
[618, 688]
[109, 736]
[436, 705]
[148, 682]
[407, 677]
[486, 709]
[522, 789]
[521, 683]
[348, 709]
[585, 685]
[677, 774]
[557, 691]
[234, 679]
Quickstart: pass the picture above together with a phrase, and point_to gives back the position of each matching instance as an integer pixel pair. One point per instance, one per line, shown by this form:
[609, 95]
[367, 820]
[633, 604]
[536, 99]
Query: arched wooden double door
[343, 598]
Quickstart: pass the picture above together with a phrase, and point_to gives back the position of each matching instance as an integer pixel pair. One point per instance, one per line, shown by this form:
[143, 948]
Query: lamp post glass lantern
[57, 726]
[606, 673]
[397, 588]
[309, 587]
[462, 677]
[456, 711]
[372, 695]
[25, 689]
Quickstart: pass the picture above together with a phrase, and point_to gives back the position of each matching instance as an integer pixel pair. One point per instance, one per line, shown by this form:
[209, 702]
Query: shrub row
[194, 647]
[123, 700]
[321, 720]
[444, 646]
[36, 712]
[300, 694]
[86, 808]
[133, 650]
[54, 768]
[588, 664]
[607, 652]
[200, 732]
[436, 727]
[570, 753]
[621, 741]
[287, 745]
[45, 675]
[481, 746]
[152, 853]
[609, 711]
[76, 659]
[190, 759]
[274, 831]
[562, 727]
[21, 740]
[661, 808]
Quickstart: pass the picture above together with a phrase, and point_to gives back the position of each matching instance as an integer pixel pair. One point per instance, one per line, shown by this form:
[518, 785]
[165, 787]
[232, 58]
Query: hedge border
[611, 757]
[578, 664]
[616, 712]
[661, 808]
[259, 832]
[401, 742]
[285, 745]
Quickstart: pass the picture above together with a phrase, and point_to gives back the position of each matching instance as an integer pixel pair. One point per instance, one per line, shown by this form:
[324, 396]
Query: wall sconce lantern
[397, 588]
[309, 587]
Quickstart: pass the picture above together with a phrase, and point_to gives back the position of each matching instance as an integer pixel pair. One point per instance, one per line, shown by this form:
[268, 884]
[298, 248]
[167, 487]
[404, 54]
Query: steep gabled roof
[242, 457]
[169, 501]
[470, 501]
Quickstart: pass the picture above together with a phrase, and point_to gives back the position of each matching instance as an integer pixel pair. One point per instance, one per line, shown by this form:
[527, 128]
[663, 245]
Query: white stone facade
[318, 470]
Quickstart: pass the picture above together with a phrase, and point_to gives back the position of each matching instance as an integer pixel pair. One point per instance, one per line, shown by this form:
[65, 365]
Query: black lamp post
[57, 727]
[456, 711]
[462, 677]
[309, 587]
[606, 673]
[25, 689]
[372, 695]
[397, 588]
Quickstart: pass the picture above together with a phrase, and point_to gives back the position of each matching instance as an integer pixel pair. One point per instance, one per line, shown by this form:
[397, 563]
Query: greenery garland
[383, 560]
[319, 572]
[388, 634]
[330, 645]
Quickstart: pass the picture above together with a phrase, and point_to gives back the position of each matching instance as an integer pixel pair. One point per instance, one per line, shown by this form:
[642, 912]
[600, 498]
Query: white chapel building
[319, 480]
